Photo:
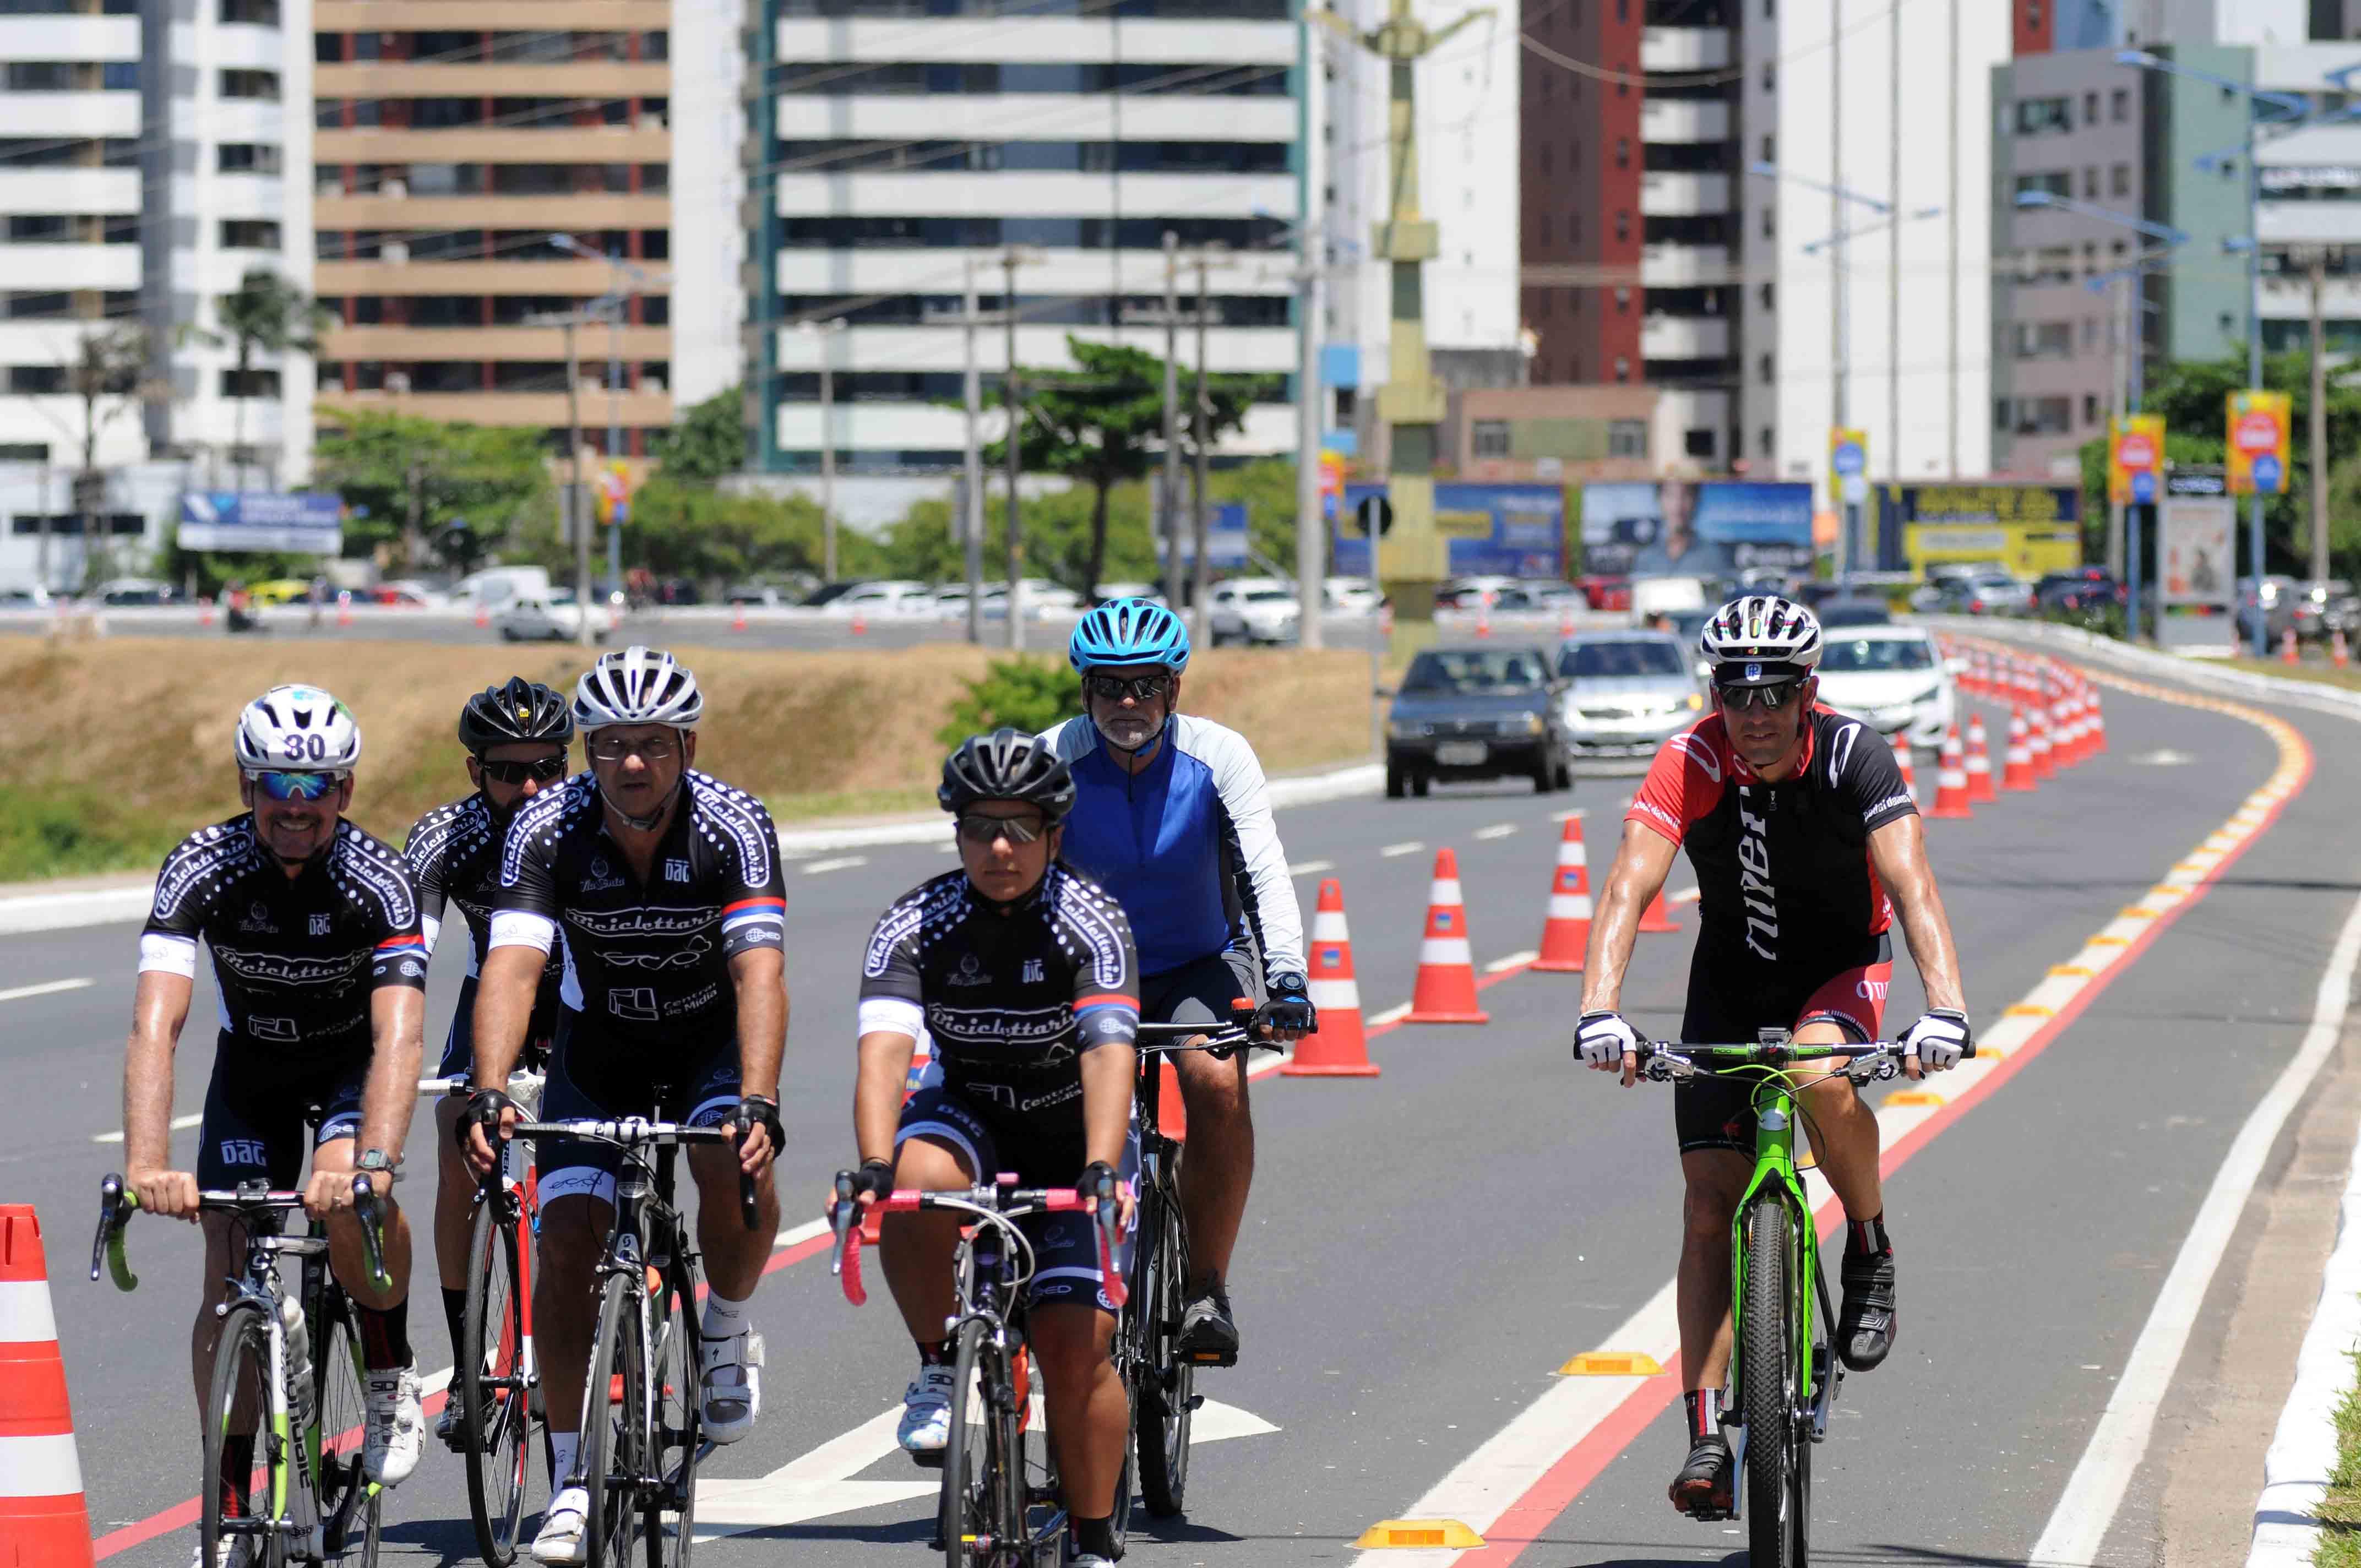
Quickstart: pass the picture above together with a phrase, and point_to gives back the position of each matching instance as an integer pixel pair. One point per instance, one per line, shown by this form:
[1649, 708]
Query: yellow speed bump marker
[2135, 911]
[2071, 971]
[1918, 1096]
[2106, 941]
[2030, 1010]
[1415, 1534]
[1612, 1364]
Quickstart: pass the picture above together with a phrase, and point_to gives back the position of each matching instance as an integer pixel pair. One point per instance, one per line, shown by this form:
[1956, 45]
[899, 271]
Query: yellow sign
[1848, 465]
[2258, 423]
[1463, 524]
[2135, 458]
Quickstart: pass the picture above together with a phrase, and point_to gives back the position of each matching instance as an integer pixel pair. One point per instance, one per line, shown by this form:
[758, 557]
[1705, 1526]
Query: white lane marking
[1408, 847]
[179, 1124]
[841, 863]
[2164, 758]
[2096, 1490]
[1391, 1015]
[45, 988]
[2302, 1455]
[1310, 868]
[795, 1233]
[1570, 815]
[1513, 962]
[1498, 830]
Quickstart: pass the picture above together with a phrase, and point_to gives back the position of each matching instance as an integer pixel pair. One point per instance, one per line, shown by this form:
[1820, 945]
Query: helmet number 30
[307, 748]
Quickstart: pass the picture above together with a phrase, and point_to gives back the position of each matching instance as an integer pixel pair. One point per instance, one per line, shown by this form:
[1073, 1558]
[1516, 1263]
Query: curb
[2318, 696]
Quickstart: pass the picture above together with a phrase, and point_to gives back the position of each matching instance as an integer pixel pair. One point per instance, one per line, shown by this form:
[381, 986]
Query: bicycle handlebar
[1664, 1062]
[522, 1081]
[372, 1232]
[118, 1202]
[1000, 1202]
[634, 1132]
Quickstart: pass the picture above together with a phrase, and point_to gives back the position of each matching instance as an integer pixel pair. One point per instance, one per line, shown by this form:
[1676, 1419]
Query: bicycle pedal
[1194, 1400]
[1210, 1357]
[928, 1459]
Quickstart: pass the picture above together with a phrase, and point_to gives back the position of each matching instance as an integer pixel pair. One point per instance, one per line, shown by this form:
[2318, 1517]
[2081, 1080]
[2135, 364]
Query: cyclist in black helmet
[516, 735]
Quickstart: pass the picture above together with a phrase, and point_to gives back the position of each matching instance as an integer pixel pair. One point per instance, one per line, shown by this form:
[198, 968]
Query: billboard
[2257, 436]
[2028, 529]
[2135, 457]
[1225, 537]
[2196, 550]
[306, 522]
[1506, 531]
[1686, 529]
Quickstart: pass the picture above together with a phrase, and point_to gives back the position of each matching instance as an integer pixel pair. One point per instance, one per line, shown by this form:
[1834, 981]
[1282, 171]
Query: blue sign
[1847, 459]
[2267, 473]
[1225, 536]
[1505, 531]
[307, 522]
[2142, 484]
[1680, 528]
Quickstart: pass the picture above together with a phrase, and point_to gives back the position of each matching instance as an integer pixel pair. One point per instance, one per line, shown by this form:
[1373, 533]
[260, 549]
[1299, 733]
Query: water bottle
[298, 1359]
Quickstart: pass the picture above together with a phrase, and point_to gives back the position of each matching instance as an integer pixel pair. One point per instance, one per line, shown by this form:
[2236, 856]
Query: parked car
[1605, 593]
[1351, 596]
[1629, 690]
[2083, 589]
[1839, 612]
[761, 596]
[2325, 606]
[25, 596]
[1985, 592]
[1477, 713]
[2273, 603]
[398, 595]
[1152, 592]
[1252, 609]
[131, 593]
[279, 590]
[551, 617]
[1891, 677]
[889, 596]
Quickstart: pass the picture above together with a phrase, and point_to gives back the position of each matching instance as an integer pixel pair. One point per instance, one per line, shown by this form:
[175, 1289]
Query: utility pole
[1838, 349]
[1171, 515]
[1311, 547]
[1892, 245]
[973, 480]
[1015, 397]
[2119, 402]
[1952, 220]
[1201, 571]
[2319, 270]
[569, 504]
[828, 446]
[614, 307]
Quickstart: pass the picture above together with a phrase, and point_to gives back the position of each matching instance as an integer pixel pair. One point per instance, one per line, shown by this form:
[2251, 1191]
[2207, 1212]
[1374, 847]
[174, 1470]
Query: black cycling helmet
[520, 711]
[1008, 765]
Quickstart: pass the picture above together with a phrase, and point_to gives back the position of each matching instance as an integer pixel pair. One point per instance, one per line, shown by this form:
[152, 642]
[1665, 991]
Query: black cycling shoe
[1703, 1489]
[1208, 1335]
[1868, 1324]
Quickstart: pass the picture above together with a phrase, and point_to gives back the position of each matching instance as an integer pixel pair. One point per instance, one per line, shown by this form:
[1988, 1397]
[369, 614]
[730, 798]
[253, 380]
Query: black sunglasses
[978, 828]
[1772, 698]
[1115, 689]
[540, 771]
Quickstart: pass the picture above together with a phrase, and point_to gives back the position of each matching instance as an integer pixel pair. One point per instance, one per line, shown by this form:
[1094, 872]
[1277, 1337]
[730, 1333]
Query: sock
[1867, 1238]
[1703, 1406]
[237, 1472]
[724, 1317]
[455, 1312]
[565, 1448]
[935, 1352]
[385, 1337]
[1097, 1536]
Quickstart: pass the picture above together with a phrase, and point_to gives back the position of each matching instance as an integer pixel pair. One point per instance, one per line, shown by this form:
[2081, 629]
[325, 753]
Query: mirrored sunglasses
[294, 786]
[540, 770]
[977, 829]
[1139, 689]
[1772, 698]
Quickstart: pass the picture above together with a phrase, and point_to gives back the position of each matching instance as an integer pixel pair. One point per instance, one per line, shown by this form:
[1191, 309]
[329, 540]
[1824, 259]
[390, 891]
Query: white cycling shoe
[564, 1528]
[733, 1385]
[232, 1552]
[927, 1411]
[395, 1428]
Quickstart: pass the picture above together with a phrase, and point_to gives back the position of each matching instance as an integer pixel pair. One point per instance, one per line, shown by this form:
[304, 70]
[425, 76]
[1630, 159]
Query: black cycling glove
[1097, 1180]
[759, 1111]
[484, 1108]
[1289, 1013]
[873, 1179]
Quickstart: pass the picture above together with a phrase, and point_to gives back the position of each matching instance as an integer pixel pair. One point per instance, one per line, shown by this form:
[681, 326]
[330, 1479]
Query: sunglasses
[614, 749]
[978, 828]
[294, 786]
[1743, 697]
[1115, 689]
[540, 770]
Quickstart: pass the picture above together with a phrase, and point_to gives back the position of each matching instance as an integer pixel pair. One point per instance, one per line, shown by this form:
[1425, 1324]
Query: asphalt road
[1427, 1247]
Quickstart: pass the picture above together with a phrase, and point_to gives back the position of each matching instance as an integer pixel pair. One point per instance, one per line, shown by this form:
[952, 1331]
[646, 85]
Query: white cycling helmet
[637, 685]
[1761, 640]
[297, 729]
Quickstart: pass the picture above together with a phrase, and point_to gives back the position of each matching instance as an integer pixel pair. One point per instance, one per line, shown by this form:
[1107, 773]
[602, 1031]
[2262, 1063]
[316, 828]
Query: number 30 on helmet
[297, 729]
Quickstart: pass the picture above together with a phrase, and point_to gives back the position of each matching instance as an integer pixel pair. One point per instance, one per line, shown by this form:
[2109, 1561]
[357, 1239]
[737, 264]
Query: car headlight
[1522, 724]
[1696, 702]
[1930, 694]
[1408, 729]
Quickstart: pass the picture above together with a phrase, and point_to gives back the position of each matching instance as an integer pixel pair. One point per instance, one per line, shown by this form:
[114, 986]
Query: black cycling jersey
[646, 965]
[455, 857]
[1784, 881]
[1011, 995]
[296, 959]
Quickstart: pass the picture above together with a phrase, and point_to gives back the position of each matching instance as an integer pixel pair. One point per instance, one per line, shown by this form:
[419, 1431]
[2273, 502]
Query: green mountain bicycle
[1783, 1373]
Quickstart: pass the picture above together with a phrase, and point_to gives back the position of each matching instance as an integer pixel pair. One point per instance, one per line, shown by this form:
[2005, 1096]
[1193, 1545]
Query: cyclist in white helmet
[666, 882]
[313, 927]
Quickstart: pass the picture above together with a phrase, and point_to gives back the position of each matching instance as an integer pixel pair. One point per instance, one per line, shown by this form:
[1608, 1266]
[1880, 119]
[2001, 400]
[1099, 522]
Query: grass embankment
[2340, 1511]
[2320, 674]
[118, 748]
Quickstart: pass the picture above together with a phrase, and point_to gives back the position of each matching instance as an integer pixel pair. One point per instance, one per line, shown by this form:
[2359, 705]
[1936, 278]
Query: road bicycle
[998, 1509]
[287, 1369]
[496, 1384]
[641, 1418]
[1783, 1373]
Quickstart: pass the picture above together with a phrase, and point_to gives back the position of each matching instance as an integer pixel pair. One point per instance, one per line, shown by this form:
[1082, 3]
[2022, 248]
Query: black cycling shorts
[260, 1107]
[1716, 1113]
[459, 1049]
[589, 1078]
[1198, 992]
[1039, 1151]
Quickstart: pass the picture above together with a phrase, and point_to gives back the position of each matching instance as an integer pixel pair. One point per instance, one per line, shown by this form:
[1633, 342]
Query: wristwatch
[375, 1162]
[1290, 981]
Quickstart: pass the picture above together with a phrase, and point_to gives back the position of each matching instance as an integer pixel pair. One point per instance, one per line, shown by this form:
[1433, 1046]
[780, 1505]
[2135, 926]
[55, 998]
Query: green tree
[268, 315]
[697, 531]
[467, 488]
[708, 443]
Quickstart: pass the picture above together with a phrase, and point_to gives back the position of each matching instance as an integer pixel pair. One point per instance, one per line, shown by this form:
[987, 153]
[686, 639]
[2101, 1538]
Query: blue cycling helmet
[1130, 631]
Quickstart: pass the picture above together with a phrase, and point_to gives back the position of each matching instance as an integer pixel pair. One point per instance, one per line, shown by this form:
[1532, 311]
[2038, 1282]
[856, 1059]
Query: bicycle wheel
[351, 1505]
[670, 1516]
[982, 1512]
[495, 1400]
[1774, 1527]
[1161, 1413]
[239, 1402]
[614, 1423]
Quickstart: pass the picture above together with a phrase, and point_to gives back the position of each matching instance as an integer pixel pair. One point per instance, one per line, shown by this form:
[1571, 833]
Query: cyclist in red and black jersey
[1806, 846]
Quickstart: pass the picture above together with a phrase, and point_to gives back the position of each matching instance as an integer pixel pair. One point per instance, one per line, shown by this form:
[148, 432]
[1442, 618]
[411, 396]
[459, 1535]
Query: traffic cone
[1656, 920]
[1566, 933]
[1340, 1047]
[860, 624]
[2019, 775]
[483, 616]
[1909, 770]
[205, 610]
[2287, 646]
[2081, 700]
[2098, 724]
[2338, 654]
[1951, 779]
[2037, 741]
[737, 622]
[1980, 777]
[2063, 752]
[1445, 992]
[44, 1518]
[1566, 623]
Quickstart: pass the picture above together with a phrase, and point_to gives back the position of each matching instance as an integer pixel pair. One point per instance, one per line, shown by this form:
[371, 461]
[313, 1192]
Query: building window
[1622, 302]
[2042, 116]
[1770, 149]
[2119, 179]
[248, 158]
[249, 234]
[1622, 226]
[2036, 416]
[2089, 408]
[1626, 438]
[2091, 183]
[2051, 182]
[1765, 442]
[2119, 104]
[249, 84]
[258, 13]
[36, 380]
[253, 384]
[1622, 152]
[1770, 76]
[1770, 226]
[1699, 443]
[1765, 295]
[1489, 438]
[1622, 367]
[2044, 340]
[2090, 107]
[2226, 323]
[41, 76]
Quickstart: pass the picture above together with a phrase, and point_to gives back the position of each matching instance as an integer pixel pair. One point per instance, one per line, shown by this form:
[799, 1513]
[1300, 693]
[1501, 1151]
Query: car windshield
[1267, 596]
[1877, 653]
[1636, 656]
[1473, 670]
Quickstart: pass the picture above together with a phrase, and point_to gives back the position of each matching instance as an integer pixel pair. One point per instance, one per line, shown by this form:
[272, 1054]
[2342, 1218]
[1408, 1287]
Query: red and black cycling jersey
[296, 959]
[1784, 874]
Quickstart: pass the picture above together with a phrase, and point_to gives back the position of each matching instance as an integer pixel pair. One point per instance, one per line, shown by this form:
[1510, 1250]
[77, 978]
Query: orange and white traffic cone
[2038, 742]
[2019, 773]
[2287, 646]
[1951, 779]
[483, 616]
[1979, 763]
[1566, 933]
[44, 1518]
[1909, 770]
[860, 624]
[1340, 1049]
[1566, 623]
[737, 622]
[2098, 724]
[205, 610]
[1445, 992]
[2063, 752]
[2338, 653]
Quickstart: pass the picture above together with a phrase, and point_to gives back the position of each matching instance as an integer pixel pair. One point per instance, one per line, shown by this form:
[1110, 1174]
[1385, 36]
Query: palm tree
[267, 314]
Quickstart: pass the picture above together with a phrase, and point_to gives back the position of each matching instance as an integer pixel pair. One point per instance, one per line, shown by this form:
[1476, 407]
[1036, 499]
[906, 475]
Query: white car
[892, 597]
[1892, 677]
[1252, 609]
[1351, 596]
[550, 618]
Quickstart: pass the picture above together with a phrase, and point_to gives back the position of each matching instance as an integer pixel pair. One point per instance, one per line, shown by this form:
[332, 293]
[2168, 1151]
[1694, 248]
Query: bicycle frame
[519, 1188]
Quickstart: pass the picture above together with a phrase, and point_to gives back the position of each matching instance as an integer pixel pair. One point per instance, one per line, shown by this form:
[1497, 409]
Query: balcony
[404, 345]
[572, 278]
[529, 410]
[1681, 265]
[1665, 196]
[574, 79]
[1684, 120]
[568, 213]
[1685, 337]
[1684, 49]
[492, 16]
[598, 143]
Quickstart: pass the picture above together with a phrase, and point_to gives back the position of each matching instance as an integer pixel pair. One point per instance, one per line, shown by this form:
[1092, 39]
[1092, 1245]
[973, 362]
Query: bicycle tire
[612, 1428]
[679, 1420]
[241, 1369]
[1167, 1382]
[1769, 1396]
[352, 1507]
[494, 1390]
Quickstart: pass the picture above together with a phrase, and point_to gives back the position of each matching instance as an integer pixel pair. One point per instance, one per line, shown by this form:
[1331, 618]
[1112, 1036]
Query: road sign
[2135, 457]
[2258, 425]
[1848, 465]
[1374, 516]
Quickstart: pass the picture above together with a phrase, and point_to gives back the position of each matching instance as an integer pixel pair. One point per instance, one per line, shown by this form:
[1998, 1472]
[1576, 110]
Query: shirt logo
[319, 925]
[258, 918]
[969, 973]
[1033, 975]
[676, 870]
[602, 876]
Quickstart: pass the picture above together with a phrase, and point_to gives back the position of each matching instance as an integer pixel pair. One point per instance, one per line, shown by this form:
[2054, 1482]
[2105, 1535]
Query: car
[757, 596]
[23, 596]
[2325, 606]
[1838, 612]
[1985, 592]
[1605, 593]
[551, 616]
[1891, 677]
[1251, 609]
[131, 593]
[1477, 713]
[885, 597]
[828, 594]
[2083, 589]
[1629, 690]
[1152, 592]
[279, 590]
[399, 596]
[2276, 607]
[1350, 596]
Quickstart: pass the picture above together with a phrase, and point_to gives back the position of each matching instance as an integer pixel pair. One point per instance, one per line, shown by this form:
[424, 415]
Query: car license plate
[1461, 753]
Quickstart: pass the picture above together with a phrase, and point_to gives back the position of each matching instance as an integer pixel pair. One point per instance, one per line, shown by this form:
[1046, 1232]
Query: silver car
[1630, 690]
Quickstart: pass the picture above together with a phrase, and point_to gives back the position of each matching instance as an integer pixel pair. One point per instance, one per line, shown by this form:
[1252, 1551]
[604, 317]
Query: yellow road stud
[1612, 1364]
[1413, 1533]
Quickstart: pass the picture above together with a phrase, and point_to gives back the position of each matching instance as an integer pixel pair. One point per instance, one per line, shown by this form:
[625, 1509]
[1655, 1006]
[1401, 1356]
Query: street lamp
[826, 333]
[629, 280]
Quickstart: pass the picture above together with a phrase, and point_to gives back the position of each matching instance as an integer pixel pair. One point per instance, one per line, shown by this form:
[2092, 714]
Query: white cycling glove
[1938, 1039]
[1603, 1038]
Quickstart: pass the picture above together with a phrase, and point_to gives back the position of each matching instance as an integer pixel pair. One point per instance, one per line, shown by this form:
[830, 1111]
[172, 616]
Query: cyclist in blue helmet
[1171, 816]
